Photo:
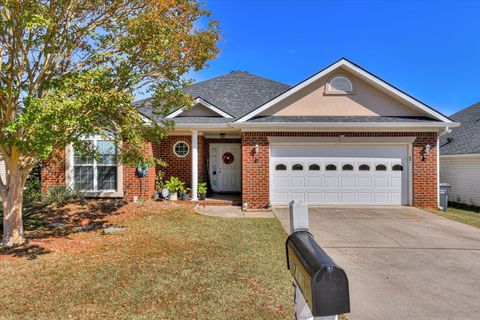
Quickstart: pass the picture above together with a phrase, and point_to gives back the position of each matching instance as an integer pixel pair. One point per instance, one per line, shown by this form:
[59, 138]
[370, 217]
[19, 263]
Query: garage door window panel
[297, 167]
[280, 167]
[364, 167]
[381, 167]
[397, 167]
[347, 167]
[314, 167]
[331, 167]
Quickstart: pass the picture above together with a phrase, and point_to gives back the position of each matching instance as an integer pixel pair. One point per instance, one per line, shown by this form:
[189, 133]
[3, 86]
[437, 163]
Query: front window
[96, 174]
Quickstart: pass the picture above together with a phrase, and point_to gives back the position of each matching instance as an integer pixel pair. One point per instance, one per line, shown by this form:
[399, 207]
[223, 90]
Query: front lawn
[462, 213]
[170, 264]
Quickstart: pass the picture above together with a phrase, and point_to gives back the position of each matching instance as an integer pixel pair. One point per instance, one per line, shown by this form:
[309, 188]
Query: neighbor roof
[466, 138]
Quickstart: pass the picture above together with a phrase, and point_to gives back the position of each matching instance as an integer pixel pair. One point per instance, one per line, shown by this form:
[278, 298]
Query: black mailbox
[324, 285]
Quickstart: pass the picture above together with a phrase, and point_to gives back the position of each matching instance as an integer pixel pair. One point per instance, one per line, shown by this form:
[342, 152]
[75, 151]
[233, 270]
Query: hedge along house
[341, 137]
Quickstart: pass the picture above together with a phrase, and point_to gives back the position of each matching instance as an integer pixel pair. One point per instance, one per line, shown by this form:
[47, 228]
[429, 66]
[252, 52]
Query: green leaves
[70, 69]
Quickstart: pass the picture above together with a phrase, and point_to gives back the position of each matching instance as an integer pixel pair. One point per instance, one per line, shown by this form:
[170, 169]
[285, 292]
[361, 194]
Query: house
[340, 137]
[460, 157]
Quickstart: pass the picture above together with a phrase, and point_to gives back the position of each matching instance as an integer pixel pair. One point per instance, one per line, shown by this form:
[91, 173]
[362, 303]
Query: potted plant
[174, 185]
[185, 191]
[202, 190]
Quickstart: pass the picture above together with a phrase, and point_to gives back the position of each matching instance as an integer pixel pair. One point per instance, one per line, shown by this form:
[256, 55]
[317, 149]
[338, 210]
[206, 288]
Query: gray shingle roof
[352, 119]
[236, 93]
[466, 138]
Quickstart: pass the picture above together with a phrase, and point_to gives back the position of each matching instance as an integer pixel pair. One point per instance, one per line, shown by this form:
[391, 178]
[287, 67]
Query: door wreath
[228, 158]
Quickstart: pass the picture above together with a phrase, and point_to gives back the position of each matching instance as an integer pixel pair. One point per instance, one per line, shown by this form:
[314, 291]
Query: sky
[429, 49]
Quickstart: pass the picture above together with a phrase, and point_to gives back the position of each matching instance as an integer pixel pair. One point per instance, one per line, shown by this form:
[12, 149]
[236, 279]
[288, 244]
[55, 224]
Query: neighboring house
[460, 157]
[341, 137]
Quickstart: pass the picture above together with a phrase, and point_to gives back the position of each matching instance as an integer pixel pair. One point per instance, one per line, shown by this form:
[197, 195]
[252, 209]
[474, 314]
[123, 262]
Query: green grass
[462, 213]
[173, 266]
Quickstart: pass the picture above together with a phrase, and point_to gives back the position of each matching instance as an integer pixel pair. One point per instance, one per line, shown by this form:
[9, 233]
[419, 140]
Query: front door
[226, 167]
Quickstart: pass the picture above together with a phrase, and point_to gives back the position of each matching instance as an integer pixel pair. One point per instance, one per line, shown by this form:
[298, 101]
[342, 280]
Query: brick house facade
[241, 112]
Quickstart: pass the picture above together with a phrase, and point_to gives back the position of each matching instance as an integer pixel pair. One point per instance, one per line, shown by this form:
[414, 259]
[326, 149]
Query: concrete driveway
[402, 263]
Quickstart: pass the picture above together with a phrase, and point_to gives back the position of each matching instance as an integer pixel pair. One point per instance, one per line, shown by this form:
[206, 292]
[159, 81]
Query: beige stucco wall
[199, 110]
[365, 101]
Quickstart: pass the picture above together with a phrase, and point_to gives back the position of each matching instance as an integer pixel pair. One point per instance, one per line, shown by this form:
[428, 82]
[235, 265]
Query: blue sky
[430, 49]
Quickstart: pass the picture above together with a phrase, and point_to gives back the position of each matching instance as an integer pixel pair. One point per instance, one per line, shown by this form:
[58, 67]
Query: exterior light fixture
[426, 151]
[256, 149]
[222, 135]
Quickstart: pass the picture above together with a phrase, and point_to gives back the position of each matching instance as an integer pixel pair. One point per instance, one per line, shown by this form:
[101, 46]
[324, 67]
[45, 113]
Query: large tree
[71, 68]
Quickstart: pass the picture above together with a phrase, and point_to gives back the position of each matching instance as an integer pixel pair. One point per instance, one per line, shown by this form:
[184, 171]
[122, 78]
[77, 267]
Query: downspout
[441, 133]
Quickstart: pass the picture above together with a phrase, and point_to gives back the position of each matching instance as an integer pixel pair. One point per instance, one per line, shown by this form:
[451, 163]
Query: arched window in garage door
[331, 167]
[381, 167]
[364, 167]
[297, 167]
[281, 167]
[314, 167]
[397, 167]
[347, 167]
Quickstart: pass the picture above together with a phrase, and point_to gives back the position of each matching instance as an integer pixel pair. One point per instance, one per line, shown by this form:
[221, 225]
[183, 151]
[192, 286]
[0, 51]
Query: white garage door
[339, 175]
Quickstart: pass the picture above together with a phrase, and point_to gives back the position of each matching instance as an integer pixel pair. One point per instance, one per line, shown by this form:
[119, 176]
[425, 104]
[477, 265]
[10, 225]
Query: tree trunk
[12, 205]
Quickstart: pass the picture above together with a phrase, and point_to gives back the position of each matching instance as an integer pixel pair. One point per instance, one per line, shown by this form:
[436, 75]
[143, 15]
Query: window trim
[70, 172]
[175, 152]
[330, 91]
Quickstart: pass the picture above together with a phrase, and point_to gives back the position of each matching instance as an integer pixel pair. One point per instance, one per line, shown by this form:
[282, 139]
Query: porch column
[194, 164]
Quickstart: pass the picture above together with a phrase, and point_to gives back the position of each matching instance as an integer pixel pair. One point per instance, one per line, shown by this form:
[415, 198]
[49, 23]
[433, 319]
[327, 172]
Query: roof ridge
[242, 72]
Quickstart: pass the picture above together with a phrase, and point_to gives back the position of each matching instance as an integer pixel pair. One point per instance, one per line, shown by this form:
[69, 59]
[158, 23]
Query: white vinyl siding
[464, 176]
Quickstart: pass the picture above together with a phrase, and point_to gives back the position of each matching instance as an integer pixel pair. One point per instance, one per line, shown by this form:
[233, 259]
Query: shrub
[59, 195]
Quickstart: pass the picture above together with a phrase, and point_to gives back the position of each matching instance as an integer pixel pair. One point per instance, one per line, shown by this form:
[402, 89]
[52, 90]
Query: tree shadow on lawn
[61, 221]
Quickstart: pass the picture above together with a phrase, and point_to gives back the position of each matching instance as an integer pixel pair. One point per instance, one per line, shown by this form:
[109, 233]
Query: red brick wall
[53, 172]
[425, 172]
[180, 167]
[134, 185]
[255, 168]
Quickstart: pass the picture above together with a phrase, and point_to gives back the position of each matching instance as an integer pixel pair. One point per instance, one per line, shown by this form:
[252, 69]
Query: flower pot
[173, 196]
[202, 196]
[185, 197]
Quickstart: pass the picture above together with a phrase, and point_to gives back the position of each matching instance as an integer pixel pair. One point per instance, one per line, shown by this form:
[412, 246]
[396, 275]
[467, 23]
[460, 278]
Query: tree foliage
[71, 68]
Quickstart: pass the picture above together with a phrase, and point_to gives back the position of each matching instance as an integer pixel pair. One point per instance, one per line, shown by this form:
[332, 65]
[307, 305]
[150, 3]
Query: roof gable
[363, 99]
[209, 110]
[345, 65]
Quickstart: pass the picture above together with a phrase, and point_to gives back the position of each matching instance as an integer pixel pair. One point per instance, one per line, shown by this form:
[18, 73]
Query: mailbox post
[320, 286]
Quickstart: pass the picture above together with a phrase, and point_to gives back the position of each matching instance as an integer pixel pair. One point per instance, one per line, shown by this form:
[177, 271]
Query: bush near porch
[169, 263]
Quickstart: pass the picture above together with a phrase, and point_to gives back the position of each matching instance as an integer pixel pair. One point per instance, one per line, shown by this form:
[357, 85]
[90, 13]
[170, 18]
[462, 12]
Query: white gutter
[320, 125]
[346, 124]
[446, 130]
